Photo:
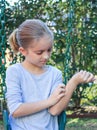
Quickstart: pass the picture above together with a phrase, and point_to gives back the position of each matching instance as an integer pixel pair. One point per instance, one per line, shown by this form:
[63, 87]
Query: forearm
[30, 108]
[63, 103]
[80, 77]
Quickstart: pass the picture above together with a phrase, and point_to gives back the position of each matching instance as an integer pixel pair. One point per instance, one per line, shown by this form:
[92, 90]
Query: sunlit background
[12, 1]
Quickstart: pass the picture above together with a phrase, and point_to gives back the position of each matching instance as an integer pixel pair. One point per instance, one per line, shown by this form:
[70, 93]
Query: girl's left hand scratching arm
[80, 77]
[34, 107]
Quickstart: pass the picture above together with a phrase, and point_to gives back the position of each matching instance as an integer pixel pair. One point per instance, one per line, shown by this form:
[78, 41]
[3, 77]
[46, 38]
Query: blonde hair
[27, 32]
[12, 40]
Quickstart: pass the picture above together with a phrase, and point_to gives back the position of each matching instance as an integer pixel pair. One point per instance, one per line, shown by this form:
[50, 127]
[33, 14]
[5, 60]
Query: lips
[43, 62]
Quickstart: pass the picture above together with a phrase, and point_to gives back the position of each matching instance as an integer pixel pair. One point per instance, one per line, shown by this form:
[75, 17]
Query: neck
[33, 68]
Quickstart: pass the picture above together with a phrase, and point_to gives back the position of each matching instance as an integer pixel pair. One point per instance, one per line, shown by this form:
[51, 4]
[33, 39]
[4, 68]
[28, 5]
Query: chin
[41, 65]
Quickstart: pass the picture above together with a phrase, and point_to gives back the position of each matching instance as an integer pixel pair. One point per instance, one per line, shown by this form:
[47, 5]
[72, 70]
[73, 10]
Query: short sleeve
[13, 94]
[57, 80]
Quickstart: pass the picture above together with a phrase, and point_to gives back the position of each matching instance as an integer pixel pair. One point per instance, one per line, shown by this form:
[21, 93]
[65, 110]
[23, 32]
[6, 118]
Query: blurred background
[74, 23]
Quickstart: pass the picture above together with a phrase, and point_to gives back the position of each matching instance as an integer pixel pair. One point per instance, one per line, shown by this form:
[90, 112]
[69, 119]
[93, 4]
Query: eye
[39, 53]
[50, 49]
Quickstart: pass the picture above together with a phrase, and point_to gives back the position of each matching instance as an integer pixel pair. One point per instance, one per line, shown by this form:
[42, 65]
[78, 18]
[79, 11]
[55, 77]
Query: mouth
[43, 62]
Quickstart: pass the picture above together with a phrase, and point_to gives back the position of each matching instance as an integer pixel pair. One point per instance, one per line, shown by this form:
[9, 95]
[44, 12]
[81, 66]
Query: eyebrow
[42, 50]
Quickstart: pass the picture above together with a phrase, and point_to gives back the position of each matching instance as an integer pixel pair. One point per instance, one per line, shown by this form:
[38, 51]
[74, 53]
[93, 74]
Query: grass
[1, 125]
[81, 124]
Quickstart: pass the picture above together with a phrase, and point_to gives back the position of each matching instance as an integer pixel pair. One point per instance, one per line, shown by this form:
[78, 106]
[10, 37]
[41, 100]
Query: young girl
[35, 93]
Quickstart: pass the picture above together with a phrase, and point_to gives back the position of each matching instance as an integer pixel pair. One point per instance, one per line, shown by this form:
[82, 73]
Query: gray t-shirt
[23, 86]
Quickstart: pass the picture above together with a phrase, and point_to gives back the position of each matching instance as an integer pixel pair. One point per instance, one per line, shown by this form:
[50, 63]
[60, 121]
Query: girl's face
[39, 52]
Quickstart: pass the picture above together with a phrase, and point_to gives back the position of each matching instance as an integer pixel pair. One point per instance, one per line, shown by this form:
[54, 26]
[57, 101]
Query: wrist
[49, 101]
[76, 79]
[73, 82]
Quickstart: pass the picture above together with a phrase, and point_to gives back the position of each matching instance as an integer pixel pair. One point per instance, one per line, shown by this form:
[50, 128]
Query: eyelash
[39, 53]
[49, 49]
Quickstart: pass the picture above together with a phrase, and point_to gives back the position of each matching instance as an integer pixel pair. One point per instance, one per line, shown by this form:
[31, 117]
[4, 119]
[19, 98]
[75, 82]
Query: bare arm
[30, 108]
[15, 103]
[81, 77]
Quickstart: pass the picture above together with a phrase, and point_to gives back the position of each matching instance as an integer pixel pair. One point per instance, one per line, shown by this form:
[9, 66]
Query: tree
[74, 24]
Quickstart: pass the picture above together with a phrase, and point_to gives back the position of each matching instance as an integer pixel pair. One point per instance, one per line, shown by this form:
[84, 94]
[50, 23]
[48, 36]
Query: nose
[46, 56]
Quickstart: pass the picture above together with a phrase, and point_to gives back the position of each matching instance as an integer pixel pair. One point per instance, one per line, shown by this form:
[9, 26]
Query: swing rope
[67, 59]
[3, 63]
[2, 49]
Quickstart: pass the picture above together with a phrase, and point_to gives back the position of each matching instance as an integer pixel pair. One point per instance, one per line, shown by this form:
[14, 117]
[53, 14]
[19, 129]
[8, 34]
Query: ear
[22, 51]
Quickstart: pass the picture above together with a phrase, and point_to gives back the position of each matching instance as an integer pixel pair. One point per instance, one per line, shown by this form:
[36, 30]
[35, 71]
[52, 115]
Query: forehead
[42, 44]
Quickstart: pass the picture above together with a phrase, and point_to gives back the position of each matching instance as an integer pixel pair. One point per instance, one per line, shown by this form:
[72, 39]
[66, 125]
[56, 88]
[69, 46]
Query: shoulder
[13, 68]
[54, 70]
[13, 73]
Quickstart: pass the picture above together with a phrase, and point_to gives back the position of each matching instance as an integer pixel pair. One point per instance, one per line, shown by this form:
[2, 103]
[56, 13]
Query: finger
[61, 85]
[81, 71]
[87, 76]
[62, 90]
[62, 95]
[91, 78]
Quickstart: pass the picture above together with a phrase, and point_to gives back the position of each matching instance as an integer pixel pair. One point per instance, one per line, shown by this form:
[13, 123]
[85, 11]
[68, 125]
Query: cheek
[37, 56]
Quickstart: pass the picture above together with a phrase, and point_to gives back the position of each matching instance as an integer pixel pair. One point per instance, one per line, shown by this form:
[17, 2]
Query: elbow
[54, 112]
[15, 114]
[18, 112]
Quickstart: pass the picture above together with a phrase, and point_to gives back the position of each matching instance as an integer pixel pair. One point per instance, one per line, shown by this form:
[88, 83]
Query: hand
[58, 93]
[83, 77]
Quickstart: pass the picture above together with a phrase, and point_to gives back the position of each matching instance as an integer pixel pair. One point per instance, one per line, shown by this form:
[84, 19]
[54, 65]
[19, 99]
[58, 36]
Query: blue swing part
[5, 115]
[62, 120]
[6, 120]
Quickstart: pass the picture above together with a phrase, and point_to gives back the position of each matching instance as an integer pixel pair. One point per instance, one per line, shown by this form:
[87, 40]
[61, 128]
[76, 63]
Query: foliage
[91, 95]
[81, 124]
[74, 24]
